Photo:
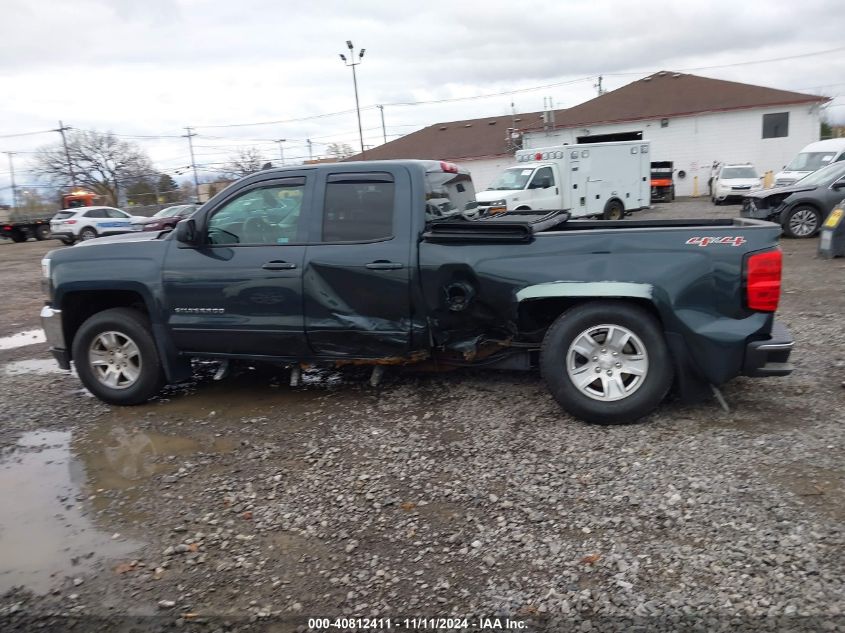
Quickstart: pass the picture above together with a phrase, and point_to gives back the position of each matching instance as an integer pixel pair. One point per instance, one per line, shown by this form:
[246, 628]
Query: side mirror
[186, 231]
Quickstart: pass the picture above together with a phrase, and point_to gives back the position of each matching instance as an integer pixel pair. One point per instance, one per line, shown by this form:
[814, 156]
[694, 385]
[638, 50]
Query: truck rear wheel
[606, 362]
[116, 357]
[42, 232]
[18, 236]
[614, 211]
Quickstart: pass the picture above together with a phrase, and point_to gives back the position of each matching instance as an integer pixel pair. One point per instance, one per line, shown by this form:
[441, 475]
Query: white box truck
[605, 180]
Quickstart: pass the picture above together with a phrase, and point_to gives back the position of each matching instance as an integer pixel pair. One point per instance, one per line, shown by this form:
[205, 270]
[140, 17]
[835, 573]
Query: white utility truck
[605, 180]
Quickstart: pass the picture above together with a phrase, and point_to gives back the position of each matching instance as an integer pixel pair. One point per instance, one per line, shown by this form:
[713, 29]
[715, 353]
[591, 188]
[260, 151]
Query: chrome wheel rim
[803, 222]
[87, 235]
[607, 362]
[115, 360]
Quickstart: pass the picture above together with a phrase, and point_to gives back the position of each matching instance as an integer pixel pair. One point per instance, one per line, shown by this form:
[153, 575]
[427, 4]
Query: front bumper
[769, 357]
[751, 210]
[51, 321]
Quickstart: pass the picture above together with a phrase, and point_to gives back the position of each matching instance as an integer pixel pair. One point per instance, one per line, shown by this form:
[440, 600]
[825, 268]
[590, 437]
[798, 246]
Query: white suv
[86, 223]
[733, 182]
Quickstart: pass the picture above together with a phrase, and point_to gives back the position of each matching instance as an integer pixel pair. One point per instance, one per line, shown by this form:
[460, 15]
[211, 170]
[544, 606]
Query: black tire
[523, 208]
[801, 222]
[42, 232]
[647, 392]
[18, 236]
[614, 211]
[131, 325]
[672, 194]
[88, 233]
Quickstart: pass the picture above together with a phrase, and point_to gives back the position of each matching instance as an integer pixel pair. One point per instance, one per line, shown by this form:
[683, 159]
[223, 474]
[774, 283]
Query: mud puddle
[22, 339]
[39, 366]
[46, 536]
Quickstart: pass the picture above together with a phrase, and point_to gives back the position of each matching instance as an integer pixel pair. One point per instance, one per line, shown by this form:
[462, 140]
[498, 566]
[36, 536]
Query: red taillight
[70, 221]
[538, 156]
[7, 228]
[449, 168]
[762, 280]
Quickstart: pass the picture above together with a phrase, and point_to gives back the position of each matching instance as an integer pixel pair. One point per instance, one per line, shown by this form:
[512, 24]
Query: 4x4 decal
[707, 241]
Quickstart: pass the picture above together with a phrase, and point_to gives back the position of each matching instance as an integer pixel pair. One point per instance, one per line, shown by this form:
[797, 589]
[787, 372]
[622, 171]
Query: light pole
[281, 150]
[352, 63]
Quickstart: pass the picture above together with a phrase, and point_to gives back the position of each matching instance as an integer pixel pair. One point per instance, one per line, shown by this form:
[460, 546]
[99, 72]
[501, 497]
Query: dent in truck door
[357, 274]
[241, 291]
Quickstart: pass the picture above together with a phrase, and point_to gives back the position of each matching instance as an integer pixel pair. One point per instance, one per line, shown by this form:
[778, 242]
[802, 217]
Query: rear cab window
[358, 207]
[64, 215]
[448, 194]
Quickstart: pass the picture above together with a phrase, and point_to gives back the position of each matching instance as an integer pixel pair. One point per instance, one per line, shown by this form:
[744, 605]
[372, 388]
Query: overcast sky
[152, 67]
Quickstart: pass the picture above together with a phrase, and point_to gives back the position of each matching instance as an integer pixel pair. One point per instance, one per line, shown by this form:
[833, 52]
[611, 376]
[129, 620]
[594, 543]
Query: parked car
[86, 223]
[814, 156]
[799, 208]
[734, 181]
[165, 219]
[613, 313]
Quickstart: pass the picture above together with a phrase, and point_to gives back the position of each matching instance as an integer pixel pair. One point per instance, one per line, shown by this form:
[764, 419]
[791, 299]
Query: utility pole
[12, 173]
[281, 150]
[383, 129]
[353, 63]
[190, 136]
[61, 131]
[310, 153]
[598, 87]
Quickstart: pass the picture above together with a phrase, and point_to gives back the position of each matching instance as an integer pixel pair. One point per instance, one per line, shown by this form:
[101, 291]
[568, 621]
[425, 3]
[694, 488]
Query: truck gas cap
[832, 237]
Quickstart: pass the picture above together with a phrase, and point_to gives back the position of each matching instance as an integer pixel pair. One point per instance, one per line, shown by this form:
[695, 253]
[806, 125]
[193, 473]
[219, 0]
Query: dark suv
[800, 208]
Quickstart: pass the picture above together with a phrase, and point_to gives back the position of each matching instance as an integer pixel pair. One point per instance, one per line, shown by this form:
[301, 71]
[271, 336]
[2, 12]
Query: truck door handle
[278, 265]
[383, 264]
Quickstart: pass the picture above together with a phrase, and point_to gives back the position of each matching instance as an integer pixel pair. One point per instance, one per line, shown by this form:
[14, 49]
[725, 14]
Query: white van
[589, 179]
[814, 156]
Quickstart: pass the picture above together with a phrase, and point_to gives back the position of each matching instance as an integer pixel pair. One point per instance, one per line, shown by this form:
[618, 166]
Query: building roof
[664, 94]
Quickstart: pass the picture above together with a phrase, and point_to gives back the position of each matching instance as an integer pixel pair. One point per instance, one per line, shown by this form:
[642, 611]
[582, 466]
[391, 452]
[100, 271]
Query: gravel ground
[247, 505]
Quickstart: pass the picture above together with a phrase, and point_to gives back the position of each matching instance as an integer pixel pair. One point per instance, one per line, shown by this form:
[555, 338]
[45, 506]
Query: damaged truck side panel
[386, 263]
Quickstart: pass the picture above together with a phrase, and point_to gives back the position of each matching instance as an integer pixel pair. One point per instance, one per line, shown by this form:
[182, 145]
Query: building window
[776, 125]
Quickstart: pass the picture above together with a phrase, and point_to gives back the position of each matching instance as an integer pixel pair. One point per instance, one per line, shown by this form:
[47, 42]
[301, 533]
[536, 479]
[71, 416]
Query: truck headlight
[46, 278]
[45, 268]
[496, 203]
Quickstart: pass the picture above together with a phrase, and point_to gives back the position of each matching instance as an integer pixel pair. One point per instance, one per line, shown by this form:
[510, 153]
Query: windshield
[513, 178]
[810, 161]
[738, 172]
[448, 195]
[823, 176]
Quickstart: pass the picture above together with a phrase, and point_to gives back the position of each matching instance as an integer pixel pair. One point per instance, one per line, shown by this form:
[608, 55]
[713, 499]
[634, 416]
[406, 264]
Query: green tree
[168, 189]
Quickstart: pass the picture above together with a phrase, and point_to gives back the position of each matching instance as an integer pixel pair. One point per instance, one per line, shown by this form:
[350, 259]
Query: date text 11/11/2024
[415, 624]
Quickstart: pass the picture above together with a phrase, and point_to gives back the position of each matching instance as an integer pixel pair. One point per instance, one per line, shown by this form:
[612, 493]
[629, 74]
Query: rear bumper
[51, 321]
[769, 357]
[62, 234]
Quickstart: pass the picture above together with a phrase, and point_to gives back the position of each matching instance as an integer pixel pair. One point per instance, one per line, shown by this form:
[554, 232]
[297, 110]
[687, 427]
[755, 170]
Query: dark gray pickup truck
[378, 263]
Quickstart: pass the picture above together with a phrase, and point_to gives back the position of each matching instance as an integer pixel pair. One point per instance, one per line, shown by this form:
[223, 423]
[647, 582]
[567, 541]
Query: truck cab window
[266, 215]
[358, 208]
[543, 179]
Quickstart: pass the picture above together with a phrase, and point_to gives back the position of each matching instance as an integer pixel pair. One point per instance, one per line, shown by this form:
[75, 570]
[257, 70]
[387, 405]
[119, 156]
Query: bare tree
[246, 161]
[339, 150]
[100, 161]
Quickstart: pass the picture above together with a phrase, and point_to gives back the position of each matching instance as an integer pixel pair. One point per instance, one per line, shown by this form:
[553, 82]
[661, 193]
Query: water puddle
[40, 366]
[45, 535]
[22, 339]
[119, 458]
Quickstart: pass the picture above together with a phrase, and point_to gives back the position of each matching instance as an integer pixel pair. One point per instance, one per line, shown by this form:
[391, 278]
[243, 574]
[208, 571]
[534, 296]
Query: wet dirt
[40, 366]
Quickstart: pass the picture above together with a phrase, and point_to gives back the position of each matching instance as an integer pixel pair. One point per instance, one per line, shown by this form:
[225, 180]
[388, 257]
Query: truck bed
[522, 226]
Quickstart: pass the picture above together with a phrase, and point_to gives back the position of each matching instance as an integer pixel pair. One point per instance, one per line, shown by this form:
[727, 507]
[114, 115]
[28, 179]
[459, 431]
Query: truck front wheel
[42, 232]
[116, 358]
[606, 362]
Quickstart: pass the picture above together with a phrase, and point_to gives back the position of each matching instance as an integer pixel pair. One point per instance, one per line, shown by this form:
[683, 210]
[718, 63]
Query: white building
[690, 120]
